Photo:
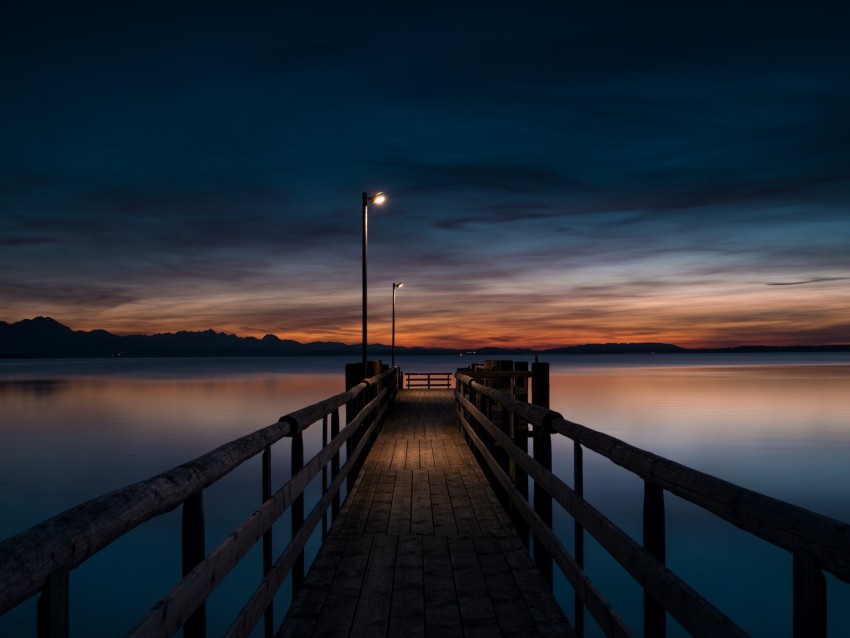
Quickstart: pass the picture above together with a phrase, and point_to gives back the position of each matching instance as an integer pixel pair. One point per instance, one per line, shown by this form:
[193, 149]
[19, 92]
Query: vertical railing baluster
[578, 530]
[350, 414]
[470, 396]
[297, 462]
[53, 604]
[809, 618]
[335, 464]
[504, 459]
[193, 553]
[267, 539]
[654, 616]
[489, 442]
[542, 498]
[324, 477]
[519, 435]
[543, 456]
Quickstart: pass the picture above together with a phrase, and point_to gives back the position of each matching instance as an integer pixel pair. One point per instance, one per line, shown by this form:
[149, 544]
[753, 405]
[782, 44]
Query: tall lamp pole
[377, 198]
[395, 286]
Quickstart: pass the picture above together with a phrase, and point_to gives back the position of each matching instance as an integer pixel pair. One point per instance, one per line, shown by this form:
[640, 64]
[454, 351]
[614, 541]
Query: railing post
[267, 538]
[324, 477]
[654, 616]
[578, 530]
[354, 374]
[193, 553]
[351, 413]
[53, 615]
[521, 383]
[335, 463]
[542, 498]
[470, 395]
[543, 456]
[519, 435]
[297, 462]
[503, 458]
[540, 383]
[809, 597]
[485, 436]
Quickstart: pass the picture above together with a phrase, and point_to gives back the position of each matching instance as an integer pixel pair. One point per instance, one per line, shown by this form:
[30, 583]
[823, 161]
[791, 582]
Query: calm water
[73, 429]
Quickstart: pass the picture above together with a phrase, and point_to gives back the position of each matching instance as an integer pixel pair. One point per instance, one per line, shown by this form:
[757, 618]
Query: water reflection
[781, 430]
[72, 430]
[67, 440]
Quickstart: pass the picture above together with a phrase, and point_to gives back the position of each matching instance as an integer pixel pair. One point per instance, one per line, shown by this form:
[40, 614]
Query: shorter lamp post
[395, 286]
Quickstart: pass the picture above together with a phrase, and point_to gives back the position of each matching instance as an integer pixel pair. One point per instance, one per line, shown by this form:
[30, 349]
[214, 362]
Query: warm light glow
[399, 285]
[379, 198]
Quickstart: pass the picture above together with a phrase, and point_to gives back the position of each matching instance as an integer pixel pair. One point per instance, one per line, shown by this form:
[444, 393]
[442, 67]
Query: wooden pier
[422, 546]
[446, 527]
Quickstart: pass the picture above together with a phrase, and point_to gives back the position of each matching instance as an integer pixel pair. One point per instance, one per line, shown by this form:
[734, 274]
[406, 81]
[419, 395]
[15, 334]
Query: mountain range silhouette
[44, 337]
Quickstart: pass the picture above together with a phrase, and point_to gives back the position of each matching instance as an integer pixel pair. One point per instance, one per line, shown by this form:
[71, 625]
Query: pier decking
[422, 547]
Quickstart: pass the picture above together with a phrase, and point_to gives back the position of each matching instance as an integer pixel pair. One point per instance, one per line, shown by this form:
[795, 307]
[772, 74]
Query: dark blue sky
[557, 173]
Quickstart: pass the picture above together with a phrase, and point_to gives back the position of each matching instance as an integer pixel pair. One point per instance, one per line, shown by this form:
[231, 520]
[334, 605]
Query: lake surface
[71, 430]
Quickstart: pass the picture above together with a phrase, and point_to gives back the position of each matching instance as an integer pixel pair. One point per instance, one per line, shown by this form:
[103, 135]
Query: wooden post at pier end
[540, 383]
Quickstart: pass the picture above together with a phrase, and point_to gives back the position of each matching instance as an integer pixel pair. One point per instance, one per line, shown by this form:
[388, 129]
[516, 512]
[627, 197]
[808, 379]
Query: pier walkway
[422, 546]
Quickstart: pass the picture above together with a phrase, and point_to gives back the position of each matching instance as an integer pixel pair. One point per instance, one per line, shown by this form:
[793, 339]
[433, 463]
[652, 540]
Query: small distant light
[379, 198]
[401, 284]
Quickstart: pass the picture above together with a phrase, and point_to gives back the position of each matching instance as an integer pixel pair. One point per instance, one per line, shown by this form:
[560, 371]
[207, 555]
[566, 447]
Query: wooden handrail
[423, 380]
[694, 612]
[817, 542]
[29, 560]
[789, 526]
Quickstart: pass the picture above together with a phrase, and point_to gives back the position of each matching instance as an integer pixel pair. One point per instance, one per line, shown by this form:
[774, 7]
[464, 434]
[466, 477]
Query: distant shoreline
[46, 338]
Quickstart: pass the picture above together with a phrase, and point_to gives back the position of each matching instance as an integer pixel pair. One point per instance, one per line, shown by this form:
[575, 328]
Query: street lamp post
[395, 286]
[378, 198]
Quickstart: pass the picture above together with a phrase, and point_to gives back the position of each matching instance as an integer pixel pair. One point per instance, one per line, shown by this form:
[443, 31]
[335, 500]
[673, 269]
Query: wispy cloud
[26, 241]
[803, 282]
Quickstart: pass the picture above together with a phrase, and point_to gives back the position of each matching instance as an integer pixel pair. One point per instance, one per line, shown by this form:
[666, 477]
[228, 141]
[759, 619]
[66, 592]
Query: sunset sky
[558, 173]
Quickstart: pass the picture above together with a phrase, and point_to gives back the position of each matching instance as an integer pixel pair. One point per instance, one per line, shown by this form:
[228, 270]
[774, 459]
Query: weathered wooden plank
[376, 594]
[512, 614]
[535, 592]
[306, 608]
[477, 614]
[442, 614]
[399, 455]
[441, 505]
[422, 513]
[341, 603]
[426, 450]
[400, 508]
[407, 613]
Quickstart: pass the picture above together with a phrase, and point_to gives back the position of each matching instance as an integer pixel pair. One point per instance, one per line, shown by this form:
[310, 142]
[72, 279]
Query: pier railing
[39, 561]
[428, 380]
[496, 426]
